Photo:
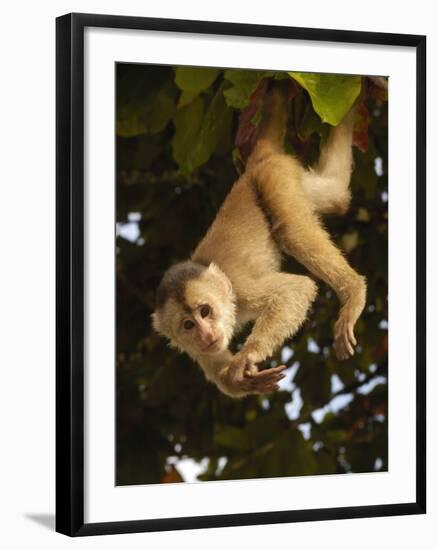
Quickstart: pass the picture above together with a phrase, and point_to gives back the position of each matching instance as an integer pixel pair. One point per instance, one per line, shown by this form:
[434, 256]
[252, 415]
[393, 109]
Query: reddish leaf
[293, 89]
[361, 128]
[172, 476]
[247, 130]
[377, 88]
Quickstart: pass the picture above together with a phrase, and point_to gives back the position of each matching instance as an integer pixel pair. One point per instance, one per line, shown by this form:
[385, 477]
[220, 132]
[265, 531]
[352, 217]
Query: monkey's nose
[208, 338]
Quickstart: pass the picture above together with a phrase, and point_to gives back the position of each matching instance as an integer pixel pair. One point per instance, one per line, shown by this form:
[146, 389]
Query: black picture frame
[70, 273]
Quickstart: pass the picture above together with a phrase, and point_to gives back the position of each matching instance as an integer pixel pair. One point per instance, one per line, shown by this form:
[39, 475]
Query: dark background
[179, 150]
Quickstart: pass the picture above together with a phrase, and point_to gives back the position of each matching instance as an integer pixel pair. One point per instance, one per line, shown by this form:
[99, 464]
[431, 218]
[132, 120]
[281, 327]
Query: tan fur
[246, 245]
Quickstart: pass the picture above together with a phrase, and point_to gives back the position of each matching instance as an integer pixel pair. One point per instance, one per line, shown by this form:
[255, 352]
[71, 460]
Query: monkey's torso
[240, 235]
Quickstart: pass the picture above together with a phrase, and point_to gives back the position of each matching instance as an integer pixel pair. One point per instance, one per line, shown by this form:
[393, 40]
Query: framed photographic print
[240, 274]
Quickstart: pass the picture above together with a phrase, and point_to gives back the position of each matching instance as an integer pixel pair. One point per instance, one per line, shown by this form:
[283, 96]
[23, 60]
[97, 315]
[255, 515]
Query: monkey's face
[202, 329]
[203, 323]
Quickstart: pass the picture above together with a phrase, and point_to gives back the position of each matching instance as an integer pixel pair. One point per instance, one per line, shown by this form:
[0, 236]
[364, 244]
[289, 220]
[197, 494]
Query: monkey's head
[195, 308]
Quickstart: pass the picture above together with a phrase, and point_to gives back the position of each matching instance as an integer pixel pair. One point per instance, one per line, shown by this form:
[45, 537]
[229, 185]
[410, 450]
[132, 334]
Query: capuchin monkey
[234, 275]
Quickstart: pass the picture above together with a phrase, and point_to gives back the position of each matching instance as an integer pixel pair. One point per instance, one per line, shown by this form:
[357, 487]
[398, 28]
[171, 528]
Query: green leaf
[282, 75]
[310, 123]
[186, 97]
[232, 437]
[331, 95]
[138, 153]
[260, 430]
[290, 454]
[187, 123]
[195, 79]
[199, 129]
[147, 114]
[192, 81]
[244, 83]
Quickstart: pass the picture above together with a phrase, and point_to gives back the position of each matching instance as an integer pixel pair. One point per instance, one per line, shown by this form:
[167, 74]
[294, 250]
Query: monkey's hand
[264, 381]
[243, 376]
[345, 340]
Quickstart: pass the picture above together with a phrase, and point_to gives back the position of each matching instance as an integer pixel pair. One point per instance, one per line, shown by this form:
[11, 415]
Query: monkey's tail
[275, 113]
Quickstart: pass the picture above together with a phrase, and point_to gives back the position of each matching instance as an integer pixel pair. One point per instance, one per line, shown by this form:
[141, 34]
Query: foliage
[331, 95]
[182, 136]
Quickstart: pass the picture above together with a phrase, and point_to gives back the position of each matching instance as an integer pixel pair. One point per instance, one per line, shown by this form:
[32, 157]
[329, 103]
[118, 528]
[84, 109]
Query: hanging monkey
[234, 275]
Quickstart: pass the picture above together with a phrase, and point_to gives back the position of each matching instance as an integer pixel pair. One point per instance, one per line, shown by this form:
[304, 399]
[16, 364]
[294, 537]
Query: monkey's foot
[345, 340]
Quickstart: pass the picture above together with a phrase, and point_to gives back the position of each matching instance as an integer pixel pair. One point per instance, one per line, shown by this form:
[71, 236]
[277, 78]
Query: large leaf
[243, 83]
[187, 123]
[247, 130]
[199, 129]
[194, 80]
[361, 128]
[288, 454]
[378, 87]
[331, 95]
[145, 101]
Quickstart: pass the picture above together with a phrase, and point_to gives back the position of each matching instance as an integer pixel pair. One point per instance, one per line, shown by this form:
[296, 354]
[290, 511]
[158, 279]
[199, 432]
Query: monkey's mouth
[213, 346]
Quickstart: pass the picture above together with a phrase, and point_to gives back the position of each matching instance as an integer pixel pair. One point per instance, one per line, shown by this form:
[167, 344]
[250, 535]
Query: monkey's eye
[205, 311]
[188, 325]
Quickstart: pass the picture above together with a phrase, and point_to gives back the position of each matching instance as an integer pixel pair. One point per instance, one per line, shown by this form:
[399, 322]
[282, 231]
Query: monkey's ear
[215, 270]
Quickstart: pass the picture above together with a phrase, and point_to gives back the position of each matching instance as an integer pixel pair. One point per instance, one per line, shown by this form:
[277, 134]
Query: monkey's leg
[284, 300]
[327, 185]
[300, 233]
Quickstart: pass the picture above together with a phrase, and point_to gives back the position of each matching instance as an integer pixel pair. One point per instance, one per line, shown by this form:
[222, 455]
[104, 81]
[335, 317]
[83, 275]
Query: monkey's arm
[285, 300]
[218, 370]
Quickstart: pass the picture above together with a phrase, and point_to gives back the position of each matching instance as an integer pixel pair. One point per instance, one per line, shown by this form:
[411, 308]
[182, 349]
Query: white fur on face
[213, 289]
